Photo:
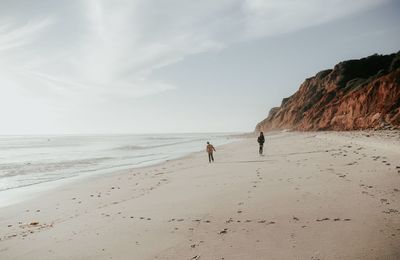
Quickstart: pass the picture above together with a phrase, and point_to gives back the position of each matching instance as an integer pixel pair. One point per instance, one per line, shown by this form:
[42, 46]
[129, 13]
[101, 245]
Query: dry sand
[312, 196]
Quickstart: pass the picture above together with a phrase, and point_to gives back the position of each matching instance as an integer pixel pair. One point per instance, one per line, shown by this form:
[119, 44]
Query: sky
[170, 66]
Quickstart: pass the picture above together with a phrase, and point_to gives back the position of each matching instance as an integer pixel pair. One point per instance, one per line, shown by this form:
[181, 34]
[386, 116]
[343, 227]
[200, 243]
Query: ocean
[26, 161]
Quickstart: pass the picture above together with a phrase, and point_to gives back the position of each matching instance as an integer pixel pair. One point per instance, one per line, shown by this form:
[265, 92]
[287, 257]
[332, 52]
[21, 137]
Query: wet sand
[324, 195]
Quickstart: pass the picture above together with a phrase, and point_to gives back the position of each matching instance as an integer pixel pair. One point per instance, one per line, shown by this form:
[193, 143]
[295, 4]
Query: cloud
[11, 38]
[268, 17]
[100, 49]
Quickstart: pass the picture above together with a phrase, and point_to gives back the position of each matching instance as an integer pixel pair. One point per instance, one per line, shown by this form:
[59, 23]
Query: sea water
[29, 161]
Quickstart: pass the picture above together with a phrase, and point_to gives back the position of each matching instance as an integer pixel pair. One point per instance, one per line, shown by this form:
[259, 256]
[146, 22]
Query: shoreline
[13, 196]
[320, 195]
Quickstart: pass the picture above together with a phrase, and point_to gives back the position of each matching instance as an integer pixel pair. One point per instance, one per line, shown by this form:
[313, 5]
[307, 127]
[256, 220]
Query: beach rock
[354, 95]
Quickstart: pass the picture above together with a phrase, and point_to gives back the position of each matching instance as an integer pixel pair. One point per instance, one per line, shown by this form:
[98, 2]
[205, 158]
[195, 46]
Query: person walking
[261, 141]
[210, 149]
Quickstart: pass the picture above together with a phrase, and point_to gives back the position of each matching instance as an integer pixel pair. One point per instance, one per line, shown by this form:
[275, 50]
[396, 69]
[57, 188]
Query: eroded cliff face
[356, 94]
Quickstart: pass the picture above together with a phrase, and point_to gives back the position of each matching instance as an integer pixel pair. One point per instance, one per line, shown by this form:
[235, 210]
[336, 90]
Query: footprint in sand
[223, 231]
[384, 201]
[230, 220]
[391, 211]
[335, 219]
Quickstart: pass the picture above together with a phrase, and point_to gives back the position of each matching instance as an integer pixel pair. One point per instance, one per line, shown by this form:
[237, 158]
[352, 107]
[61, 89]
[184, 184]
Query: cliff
[354, 95]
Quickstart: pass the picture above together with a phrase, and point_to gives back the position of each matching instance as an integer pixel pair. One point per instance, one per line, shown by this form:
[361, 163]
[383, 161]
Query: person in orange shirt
[210, 149]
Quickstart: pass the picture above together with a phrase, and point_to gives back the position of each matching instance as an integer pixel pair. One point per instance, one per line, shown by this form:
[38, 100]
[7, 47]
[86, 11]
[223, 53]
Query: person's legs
[261, 149]
[209, 157]
[212, 156]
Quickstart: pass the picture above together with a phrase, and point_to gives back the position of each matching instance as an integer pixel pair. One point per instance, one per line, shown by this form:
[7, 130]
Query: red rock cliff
[355, 94]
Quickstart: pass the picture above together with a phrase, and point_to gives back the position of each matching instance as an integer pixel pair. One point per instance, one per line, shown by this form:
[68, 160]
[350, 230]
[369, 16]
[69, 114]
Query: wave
[140, 147]
[26, 168]
[165, 138]
[130, 147]
[24, 180]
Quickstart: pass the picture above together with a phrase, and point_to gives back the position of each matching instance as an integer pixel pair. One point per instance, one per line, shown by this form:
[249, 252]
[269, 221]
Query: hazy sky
[140, 66]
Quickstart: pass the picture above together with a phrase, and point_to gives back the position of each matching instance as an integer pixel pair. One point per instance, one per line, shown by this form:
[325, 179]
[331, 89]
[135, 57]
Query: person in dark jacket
[261, 141]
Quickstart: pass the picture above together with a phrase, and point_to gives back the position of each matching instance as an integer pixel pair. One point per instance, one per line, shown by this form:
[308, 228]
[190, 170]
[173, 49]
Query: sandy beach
[316, 195]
